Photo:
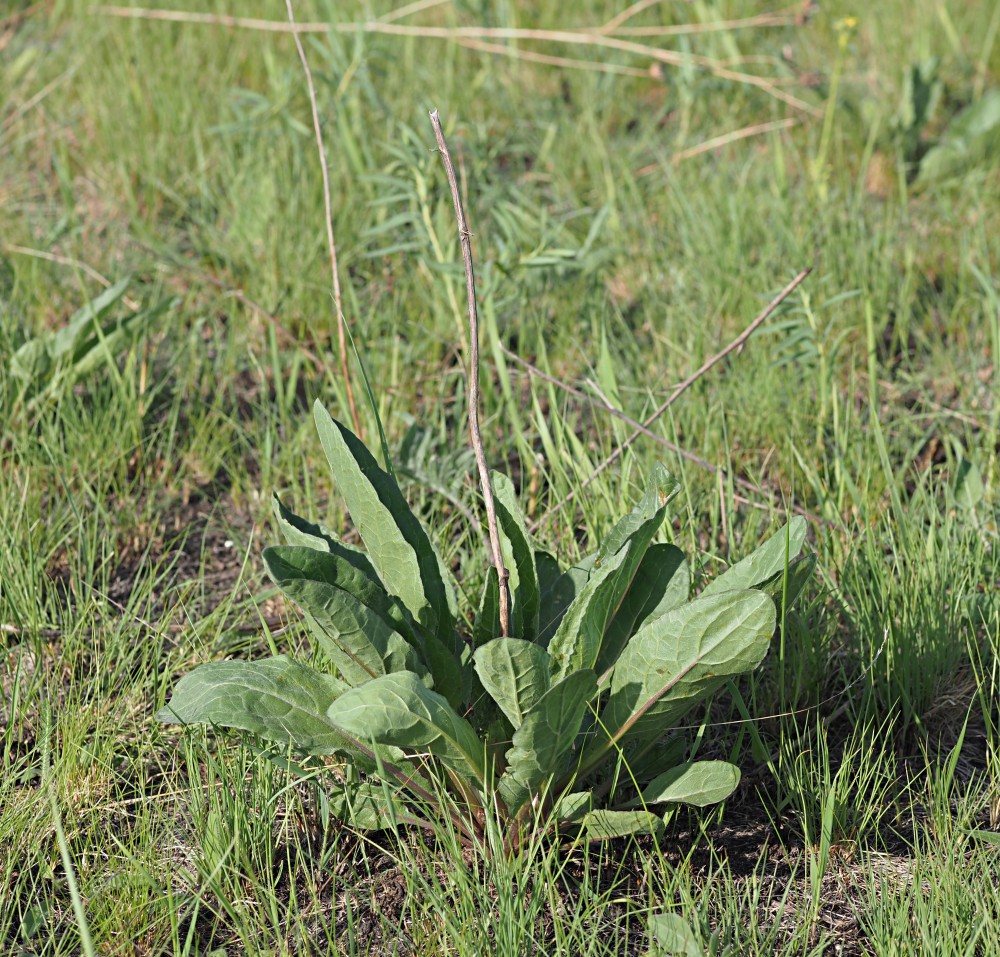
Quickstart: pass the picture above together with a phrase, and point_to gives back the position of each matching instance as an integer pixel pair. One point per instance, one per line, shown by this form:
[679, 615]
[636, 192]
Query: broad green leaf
[397, 544]
[922, 88]
[558, 591]
[299, 531]
[369, 806]
[398, 710]
[289, 563]
[99, 349]
[450, 673]
[513, 793]
[764, 562]
[402, 554]
[549, 572]
[32, 362]
[549, 730]
[668, 566]
[660, 489]
[391, 763]
[87, 342]
[972, 138]
[279, 699]
[981, 834]
[799, 572]
[578, 640]
[699, 783]
[65, 344]
[608, 825]
[573, 807]
[646, 759]
[661, 583]
[518, 558]
[515, 673]
[487, 624]
[674, 661]
[673, 937]
[969, 487]
[357, 639]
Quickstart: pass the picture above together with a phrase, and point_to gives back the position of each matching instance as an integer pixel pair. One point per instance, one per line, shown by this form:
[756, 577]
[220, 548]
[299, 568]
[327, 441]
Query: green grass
[134, 501]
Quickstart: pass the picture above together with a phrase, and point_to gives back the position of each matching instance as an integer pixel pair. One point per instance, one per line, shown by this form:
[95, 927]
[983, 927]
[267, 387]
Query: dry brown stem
[773, 500]
[465, 238]
[573, 36]
[717, 142]
[737, 343]
[328, 207]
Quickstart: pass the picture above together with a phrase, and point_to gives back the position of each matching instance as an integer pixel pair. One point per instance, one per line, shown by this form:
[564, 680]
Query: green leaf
[518, 558]
[969, 487]
[369, 806]
[673, 662]
[361, 640]
[608, 825]
[65, 344]
[450, 675]
[981, 834]
[97, 350]
[402, 554]
[799, 572]
[764, 562]
[288, 563]
[39, 356]
[487, 624]
[558, 591]
[699, 783]
[661, 583]
[398, 710]
[397, 543]
[673, 937]
[549, 731]
[515, 673]
[549, 573]
[299, 531]
[660, 489]
[279, 699]
[578, 640]
[572, 808]
[88, 341]
[32, 362]
[649, 758]
[972, 138]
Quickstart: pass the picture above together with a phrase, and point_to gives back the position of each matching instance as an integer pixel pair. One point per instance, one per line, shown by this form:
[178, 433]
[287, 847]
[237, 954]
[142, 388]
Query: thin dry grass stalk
[717, 142]
[736, 344]
[73, 263]
[601, 37]
[605, 406]
[568, 63]
[331, 241]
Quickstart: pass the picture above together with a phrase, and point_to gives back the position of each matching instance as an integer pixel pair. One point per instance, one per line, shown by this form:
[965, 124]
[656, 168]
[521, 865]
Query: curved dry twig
[465, 237]
[572, 36]
[328, 207]
[737, 343]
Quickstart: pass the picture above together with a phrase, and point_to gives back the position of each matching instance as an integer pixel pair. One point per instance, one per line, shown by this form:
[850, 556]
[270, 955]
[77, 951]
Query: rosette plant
[564, 720]
[554, 705]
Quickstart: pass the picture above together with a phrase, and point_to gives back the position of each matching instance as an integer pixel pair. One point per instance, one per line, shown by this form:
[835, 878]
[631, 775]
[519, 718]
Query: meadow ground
[632, 212]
